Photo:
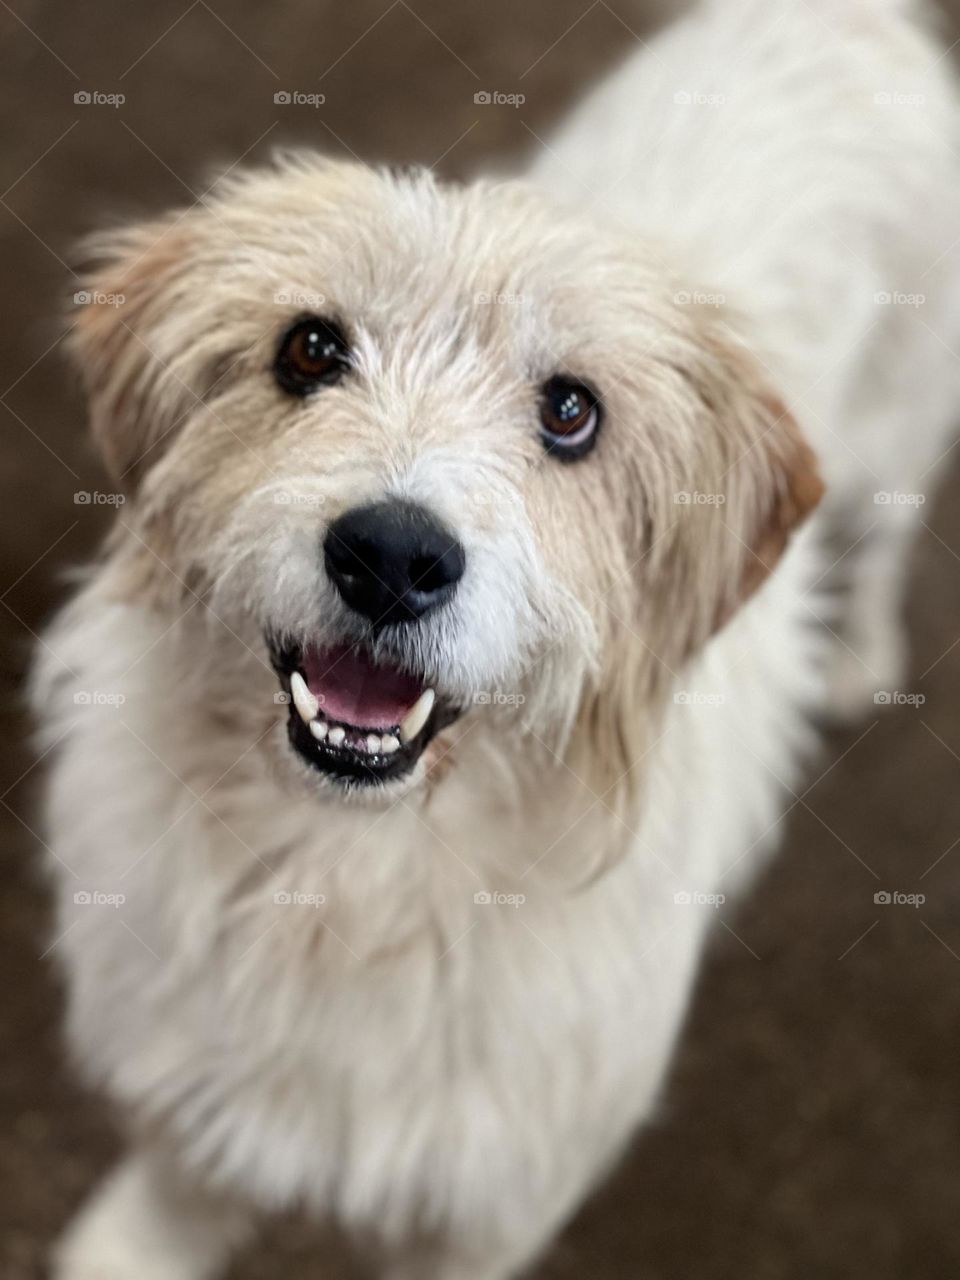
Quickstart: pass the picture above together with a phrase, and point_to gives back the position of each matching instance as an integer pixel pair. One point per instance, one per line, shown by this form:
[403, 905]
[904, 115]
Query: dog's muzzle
[353, 715]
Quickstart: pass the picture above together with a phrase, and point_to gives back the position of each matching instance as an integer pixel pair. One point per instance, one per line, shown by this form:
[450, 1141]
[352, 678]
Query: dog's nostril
[430, 573]
[392, 561]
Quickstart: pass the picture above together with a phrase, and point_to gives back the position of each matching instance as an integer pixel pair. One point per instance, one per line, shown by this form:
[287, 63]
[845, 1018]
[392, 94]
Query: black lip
[344, 764]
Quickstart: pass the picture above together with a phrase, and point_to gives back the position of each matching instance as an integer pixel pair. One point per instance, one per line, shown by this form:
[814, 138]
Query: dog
[467, 620]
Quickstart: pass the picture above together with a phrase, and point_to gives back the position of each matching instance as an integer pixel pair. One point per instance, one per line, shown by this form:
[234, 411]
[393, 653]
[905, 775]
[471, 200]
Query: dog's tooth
[305, 702]
[389, 744]
[319, 729]
[417, 716]
[373, 743]
[336, 735]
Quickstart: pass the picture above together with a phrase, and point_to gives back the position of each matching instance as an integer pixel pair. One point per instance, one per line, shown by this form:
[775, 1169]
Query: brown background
[811, 1124]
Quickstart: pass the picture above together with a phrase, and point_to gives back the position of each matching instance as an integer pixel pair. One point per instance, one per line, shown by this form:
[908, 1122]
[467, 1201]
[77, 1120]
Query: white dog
[431, 691]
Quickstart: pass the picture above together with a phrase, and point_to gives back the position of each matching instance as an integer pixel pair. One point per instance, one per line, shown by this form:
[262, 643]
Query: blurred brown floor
[812, 1125]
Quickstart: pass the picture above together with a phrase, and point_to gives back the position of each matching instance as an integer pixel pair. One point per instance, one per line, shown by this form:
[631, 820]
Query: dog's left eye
[313, 353]
[569, 418]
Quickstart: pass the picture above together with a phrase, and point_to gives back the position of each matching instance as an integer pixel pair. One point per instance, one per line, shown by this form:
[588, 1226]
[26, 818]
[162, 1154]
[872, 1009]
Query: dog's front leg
[144, 1222]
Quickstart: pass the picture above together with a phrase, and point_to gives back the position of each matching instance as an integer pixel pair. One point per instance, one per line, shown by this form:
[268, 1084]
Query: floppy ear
[125, 342]
[785, 486]
[747, 480]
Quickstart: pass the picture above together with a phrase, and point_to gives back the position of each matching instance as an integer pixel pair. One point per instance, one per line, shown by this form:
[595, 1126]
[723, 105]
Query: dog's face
[433, 452]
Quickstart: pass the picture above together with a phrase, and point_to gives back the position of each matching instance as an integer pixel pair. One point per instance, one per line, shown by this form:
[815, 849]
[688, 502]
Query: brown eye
[569, 418]
[313, 353]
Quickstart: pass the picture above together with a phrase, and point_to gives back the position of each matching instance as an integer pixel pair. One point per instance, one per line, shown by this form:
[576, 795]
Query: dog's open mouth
[354, 719]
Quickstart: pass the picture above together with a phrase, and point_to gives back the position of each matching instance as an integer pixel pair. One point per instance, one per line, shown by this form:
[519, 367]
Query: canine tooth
[389, 744]
[373, 743]
[417, 716]
[319, 729]
[305, 702]
[336, 735]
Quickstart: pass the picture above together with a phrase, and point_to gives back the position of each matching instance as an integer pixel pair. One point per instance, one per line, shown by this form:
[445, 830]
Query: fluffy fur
[448, 1076]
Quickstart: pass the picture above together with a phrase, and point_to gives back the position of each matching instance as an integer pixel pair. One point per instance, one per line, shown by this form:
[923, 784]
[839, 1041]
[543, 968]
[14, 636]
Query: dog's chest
[366, 1021]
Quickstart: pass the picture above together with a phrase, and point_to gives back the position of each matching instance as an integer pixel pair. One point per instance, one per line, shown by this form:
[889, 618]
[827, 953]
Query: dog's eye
[313, 353]
[569, 418]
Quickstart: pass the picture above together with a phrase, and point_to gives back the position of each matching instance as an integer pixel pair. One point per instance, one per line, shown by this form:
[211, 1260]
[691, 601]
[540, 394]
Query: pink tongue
[350, 689]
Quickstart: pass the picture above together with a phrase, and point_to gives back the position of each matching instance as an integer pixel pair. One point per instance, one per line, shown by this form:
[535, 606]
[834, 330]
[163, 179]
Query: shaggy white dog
[431, 689]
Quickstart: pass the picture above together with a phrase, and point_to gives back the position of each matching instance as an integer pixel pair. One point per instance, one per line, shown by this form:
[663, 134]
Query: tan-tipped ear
[788, 487]
[755, 470]
[118, 342]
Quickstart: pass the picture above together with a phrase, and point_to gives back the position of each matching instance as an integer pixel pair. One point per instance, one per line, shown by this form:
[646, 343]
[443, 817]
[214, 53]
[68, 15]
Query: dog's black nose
[392, 561]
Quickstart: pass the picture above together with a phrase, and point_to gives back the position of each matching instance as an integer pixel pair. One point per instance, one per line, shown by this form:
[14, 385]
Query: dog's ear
[123, 341]
[750, 480]
[782, 487]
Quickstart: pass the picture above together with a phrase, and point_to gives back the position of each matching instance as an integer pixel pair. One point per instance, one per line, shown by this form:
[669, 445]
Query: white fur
[447, 1077]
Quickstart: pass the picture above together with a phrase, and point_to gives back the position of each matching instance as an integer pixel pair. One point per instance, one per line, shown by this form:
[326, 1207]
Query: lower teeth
[367, 744]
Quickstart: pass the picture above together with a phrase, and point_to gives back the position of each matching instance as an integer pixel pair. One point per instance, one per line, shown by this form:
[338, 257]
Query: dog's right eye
[313, 353]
